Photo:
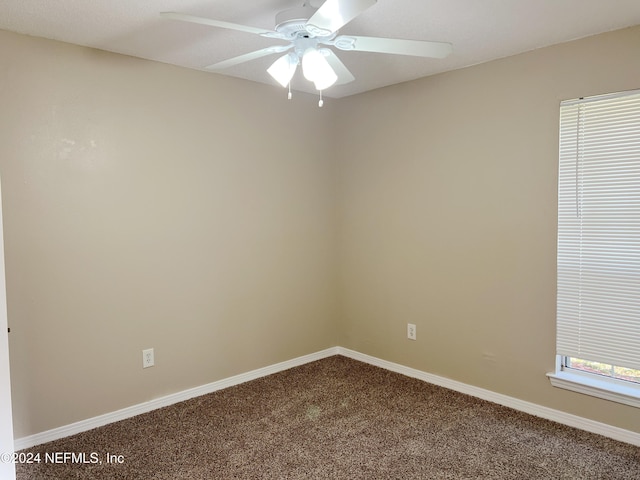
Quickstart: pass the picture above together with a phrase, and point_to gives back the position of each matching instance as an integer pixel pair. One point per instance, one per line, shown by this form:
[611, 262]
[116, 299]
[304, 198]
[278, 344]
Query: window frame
[593, 384]
[600, 386]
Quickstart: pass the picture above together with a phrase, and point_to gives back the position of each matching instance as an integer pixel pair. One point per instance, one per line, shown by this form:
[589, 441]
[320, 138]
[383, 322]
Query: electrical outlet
[411, 331]
[147, 358]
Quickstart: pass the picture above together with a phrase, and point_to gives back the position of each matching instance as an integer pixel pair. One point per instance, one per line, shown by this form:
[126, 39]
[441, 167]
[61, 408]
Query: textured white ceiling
[480, 30]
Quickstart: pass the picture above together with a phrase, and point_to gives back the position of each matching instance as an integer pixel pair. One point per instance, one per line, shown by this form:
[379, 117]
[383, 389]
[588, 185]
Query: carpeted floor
[335, 419]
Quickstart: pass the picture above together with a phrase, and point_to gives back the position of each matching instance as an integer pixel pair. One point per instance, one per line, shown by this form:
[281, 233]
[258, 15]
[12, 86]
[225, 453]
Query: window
[605, 369]
[598, 304]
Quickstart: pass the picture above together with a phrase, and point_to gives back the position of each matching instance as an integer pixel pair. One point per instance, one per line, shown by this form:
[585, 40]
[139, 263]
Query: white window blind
[598, 310]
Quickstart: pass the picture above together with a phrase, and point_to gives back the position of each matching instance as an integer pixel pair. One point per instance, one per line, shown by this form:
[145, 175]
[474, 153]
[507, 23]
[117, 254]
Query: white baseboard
[99, 421]
[521, 405]
[558, 416]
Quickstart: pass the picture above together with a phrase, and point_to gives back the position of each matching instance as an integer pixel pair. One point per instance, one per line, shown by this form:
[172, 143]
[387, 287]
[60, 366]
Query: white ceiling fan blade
[335, 14]
[247, 57]
[215, 23]
[396, 46]
[343, 73]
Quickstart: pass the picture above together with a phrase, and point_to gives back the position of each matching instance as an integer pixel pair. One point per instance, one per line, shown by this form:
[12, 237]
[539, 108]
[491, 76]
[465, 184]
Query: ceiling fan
[308, 31]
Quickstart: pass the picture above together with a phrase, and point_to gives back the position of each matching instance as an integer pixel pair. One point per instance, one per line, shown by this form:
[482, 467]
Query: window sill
[596, 387]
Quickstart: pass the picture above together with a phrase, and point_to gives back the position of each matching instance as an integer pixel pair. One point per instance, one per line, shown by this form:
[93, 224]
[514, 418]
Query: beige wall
[448, 194]
[151, 206]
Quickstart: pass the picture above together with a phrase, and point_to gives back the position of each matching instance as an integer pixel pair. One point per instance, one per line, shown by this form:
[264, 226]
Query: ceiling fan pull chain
[321, 102]
[289, 94]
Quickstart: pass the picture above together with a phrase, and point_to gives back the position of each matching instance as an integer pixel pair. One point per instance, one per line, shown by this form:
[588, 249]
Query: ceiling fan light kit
[308, 31]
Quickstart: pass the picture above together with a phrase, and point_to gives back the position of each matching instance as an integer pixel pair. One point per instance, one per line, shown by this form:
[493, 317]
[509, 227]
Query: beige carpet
[337, 419]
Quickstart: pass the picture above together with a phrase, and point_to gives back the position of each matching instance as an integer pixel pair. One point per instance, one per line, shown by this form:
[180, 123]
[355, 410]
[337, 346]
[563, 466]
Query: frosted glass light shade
[282, 69]
[316, 69]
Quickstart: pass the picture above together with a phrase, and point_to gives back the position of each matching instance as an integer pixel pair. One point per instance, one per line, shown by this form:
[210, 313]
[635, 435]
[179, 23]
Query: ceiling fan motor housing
[293, 23]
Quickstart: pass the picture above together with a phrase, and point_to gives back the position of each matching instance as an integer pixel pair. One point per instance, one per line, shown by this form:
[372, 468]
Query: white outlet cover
[411, 331]
[147, 358]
